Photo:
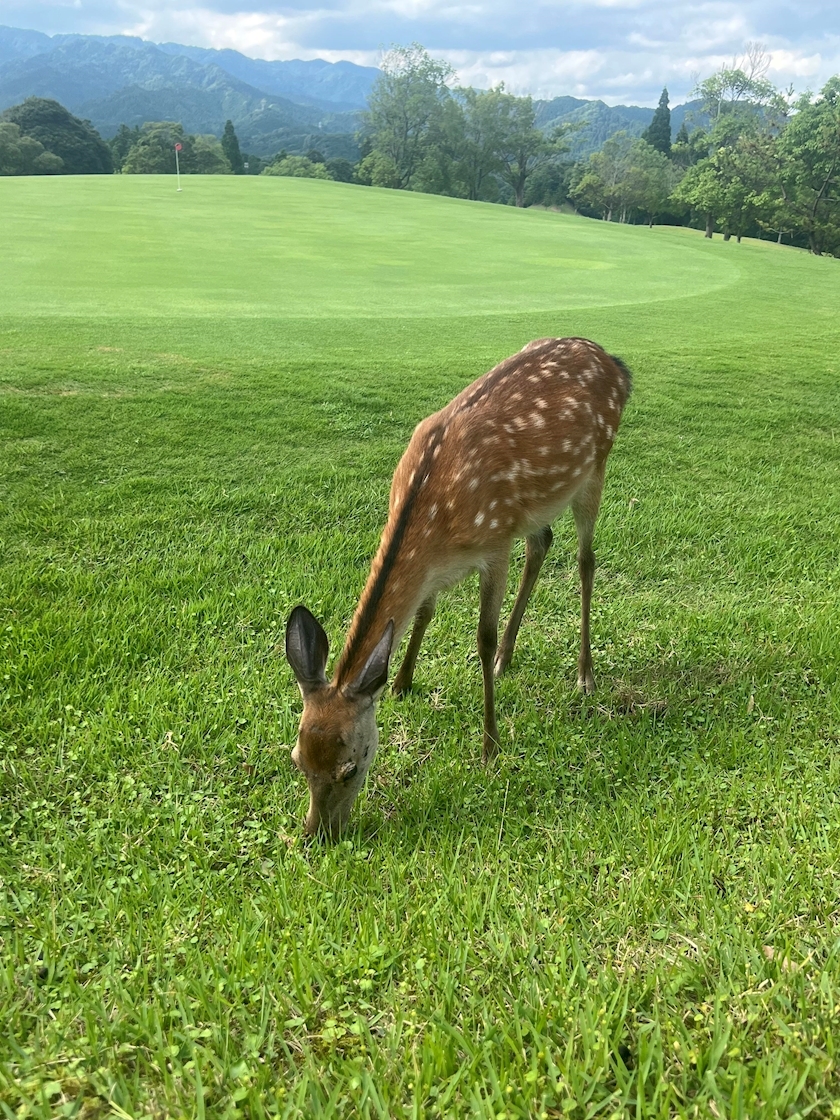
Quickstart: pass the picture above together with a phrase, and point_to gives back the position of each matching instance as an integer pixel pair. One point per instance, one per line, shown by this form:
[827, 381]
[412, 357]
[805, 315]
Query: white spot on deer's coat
[494, 524]
[479, 517]
[516, 397]
[566, 445]
[474, 483]
[433, 511]
[532, 377]
[493, 504]
[519, 421]
[610, 433]
[537, 420]
[540, 402]
[436, 452]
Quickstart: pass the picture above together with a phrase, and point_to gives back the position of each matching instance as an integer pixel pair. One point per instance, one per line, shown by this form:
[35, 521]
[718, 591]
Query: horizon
[621, 52]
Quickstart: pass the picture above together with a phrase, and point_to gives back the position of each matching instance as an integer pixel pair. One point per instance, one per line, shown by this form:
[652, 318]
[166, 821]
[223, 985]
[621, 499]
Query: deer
[501, 461]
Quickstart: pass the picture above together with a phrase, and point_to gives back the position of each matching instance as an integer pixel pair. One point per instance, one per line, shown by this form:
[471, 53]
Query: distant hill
[598, 121]
[334, 86]
[118, 79]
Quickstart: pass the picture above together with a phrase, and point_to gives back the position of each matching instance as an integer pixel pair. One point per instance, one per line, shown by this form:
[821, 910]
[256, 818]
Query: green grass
[636, 912]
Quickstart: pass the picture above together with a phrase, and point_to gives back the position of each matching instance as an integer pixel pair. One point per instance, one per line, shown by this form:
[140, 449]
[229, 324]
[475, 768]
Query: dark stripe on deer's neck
[374, 592]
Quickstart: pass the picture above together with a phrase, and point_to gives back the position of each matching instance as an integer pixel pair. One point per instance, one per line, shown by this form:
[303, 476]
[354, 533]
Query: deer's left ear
[373, 678]
[307, 647]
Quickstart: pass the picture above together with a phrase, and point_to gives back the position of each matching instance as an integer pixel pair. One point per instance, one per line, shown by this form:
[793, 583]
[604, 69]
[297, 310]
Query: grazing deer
[501, 460]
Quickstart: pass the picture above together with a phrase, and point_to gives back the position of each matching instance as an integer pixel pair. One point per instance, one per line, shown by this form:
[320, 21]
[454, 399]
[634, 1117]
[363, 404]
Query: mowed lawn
[636, 911]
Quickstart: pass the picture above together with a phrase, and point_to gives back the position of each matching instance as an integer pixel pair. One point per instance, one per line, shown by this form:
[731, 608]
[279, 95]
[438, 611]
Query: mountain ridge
[293, 104]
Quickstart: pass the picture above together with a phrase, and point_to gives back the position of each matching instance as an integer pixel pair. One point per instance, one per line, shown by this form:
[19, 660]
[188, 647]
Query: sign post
[177, 165]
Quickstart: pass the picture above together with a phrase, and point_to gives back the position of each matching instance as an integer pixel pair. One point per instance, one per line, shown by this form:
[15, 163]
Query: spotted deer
[502, 460]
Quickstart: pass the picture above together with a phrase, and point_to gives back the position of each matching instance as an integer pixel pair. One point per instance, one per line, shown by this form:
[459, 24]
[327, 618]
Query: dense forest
[750, 160]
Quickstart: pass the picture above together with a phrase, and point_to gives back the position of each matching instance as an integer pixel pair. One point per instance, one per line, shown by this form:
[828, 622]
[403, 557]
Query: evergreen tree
[230, 146]
[122, 143]
[658, 133]
[75, 142]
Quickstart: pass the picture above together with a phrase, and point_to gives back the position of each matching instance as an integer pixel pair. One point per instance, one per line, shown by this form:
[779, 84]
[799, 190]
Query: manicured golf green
[636, 911]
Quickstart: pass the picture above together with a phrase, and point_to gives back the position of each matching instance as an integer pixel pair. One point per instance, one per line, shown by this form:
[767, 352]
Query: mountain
[337, 86]
[297, 105]
[111, 80]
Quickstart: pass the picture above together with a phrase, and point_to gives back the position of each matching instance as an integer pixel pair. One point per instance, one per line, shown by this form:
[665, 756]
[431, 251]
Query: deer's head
[338, 736]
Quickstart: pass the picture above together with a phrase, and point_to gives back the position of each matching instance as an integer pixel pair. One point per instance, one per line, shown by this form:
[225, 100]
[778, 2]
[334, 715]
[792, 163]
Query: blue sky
[619, 50]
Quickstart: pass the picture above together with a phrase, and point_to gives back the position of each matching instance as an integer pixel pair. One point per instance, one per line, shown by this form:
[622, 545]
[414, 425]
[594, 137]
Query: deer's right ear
[307, 647]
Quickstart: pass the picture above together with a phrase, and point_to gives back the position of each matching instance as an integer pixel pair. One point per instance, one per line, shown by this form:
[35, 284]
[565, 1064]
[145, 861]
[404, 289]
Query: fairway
[636, 911]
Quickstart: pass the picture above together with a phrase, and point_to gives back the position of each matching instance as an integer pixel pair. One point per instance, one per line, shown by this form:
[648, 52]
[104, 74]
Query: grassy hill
[636, 911]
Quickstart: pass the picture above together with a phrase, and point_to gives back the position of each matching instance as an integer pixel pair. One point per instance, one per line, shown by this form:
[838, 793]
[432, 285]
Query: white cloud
[620, 50]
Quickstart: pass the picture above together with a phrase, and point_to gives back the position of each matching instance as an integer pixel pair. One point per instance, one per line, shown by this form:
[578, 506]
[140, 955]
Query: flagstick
[177, 169]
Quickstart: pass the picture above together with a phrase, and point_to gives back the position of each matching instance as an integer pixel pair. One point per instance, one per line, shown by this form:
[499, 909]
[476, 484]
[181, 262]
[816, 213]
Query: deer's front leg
[492, 583]
[404, 678]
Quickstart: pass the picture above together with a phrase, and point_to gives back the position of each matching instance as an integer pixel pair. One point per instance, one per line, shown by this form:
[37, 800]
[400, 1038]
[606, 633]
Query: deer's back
[510, 451]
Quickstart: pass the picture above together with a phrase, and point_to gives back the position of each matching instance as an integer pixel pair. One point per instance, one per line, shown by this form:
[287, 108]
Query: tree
[75, 142]
[297, 167]
[649, 181]
[522, 147]
[154, 152]
[122, 143]
[689, 149]
[809, 151]
[627, 177]
[550, 183]
[209, 157]
[404, 107]
[743, 84]
[601, 186]
[21, 155]
[701, 190]
[478, 156]
[230, 147]
[747, 112]
[658, 132]
[341, 170]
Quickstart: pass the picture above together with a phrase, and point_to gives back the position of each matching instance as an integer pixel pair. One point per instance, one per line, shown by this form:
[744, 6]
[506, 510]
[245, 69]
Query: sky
[623, 51]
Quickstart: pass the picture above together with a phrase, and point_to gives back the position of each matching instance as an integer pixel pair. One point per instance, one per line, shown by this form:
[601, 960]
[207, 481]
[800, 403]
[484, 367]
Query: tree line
[764, 161]
[758, 161]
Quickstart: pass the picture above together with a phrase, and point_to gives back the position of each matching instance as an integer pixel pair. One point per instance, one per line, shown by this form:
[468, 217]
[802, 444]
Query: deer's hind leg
[536, 550]
[405, 677]
[492, 583]
[585, 506]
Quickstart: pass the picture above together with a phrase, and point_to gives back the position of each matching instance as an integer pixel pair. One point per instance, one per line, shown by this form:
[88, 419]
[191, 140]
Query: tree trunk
[739, 238]
[779, 238]
[710, 225]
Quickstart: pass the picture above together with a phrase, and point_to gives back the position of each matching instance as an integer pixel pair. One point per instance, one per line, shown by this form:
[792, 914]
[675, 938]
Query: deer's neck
[394, 590]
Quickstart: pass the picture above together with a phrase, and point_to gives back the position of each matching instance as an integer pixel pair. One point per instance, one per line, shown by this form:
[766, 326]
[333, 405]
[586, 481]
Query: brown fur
[501, 460]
